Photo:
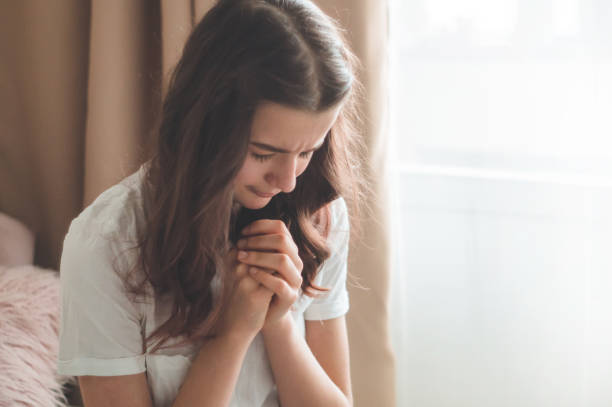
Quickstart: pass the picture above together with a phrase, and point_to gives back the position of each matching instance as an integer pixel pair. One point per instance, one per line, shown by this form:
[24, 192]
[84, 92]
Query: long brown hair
[242, 53]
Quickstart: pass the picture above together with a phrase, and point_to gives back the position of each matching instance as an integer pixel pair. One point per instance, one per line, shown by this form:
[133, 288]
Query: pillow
[16, 242]
[29, 338]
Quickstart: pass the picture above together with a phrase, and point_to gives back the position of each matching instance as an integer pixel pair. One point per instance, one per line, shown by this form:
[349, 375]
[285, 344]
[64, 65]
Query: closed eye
[266, 157]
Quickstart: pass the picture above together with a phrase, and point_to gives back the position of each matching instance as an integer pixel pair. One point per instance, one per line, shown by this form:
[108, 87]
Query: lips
[261, 194]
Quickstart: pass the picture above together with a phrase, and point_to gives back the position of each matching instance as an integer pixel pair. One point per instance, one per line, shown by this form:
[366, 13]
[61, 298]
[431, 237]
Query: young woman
[216, 274]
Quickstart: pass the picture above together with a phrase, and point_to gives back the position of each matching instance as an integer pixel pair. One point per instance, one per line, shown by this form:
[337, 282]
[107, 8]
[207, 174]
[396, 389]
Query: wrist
[280, 326]
[237, 339]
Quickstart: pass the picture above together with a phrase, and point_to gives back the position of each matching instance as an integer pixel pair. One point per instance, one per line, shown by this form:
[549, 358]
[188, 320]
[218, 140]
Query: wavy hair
[242, 53]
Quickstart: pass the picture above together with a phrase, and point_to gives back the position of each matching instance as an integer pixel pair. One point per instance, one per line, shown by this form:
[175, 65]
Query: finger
[241, 270]
[266, 226]
[273, 242]
[279, 262]
[279, 286]
[250, 284]
[242, 278]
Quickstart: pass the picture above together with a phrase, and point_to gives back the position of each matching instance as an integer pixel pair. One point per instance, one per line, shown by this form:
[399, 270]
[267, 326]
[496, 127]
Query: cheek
[249, 172]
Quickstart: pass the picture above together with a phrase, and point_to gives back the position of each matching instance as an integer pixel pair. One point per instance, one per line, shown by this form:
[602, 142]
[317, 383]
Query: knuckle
[281, 289]
[279, 224]
[285, 261]
[288, 293]
[242, 270]
[244, 279]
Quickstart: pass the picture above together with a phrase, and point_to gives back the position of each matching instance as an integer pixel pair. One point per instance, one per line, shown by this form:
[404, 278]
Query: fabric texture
[29, 325]
[102, 331]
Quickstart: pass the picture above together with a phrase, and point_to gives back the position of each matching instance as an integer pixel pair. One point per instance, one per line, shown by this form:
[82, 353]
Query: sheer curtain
[501, 121]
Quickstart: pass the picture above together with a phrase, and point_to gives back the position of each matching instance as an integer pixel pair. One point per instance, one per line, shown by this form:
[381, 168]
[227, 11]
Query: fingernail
[242, 254]
[241, 243]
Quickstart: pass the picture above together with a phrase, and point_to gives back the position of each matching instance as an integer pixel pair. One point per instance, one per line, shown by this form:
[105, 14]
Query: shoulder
[339, 223]
[115, 214]
[107, 231]
[99, 249]
[339, 212]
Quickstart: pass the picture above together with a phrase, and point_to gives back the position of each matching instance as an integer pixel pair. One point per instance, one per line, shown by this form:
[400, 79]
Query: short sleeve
[335, 302]
[100, 329]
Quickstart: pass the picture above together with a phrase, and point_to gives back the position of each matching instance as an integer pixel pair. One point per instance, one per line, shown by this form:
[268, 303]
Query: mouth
[261, 194]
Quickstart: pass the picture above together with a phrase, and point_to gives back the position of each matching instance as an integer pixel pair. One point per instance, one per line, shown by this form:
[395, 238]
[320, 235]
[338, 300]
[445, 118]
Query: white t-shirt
[102, 332]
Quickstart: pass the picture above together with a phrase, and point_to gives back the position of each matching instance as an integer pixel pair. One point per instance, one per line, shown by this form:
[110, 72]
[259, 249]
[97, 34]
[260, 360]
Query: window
[501, 122]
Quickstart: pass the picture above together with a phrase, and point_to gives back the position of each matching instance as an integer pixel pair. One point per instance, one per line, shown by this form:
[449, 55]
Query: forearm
[300, 379]
[213, 374]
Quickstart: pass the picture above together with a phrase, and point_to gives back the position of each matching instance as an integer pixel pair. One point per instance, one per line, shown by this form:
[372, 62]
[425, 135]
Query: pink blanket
[29, 323]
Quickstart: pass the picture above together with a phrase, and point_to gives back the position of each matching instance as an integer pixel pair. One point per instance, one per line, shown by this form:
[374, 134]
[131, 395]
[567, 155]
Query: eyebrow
[269, 147]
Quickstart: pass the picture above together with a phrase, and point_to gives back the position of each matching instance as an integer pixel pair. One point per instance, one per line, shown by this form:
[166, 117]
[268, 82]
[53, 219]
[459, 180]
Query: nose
[283, 176]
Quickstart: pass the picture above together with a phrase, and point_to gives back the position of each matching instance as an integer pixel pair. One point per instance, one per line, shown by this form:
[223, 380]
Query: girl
[215, 275]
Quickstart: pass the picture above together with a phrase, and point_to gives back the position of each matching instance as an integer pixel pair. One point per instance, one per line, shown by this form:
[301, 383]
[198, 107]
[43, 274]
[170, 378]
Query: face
[281, 145]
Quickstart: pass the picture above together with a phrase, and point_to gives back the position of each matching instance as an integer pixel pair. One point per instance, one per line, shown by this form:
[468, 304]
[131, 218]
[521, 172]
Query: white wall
[501, 119]
[502, 294]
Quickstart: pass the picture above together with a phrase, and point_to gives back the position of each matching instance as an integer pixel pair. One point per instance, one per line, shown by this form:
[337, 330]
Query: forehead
[289, 128]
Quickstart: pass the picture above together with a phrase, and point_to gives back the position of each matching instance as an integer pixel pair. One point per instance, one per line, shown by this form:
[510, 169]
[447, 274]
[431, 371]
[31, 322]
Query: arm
[115, 391]
[210, 381]
[315, 371]
[311, 372]
[213, 374]
[328, 341]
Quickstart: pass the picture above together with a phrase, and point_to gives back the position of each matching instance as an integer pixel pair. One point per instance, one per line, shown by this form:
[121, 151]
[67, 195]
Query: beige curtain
[81, 84]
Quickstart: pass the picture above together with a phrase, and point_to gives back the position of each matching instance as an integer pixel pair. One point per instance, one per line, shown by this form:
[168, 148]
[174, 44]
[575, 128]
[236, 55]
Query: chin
[252, 201]
[253, 205]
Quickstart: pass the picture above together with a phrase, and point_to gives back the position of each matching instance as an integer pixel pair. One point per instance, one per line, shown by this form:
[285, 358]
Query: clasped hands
[268, 249]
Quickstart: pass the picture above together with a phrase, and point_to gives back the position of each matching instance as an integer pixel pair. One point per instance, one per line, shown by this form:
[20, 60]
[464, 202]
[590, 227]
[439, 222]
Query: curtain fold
[123, 95]
[372, 358]
[176, 23]
[82, 86]
[43, 80]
